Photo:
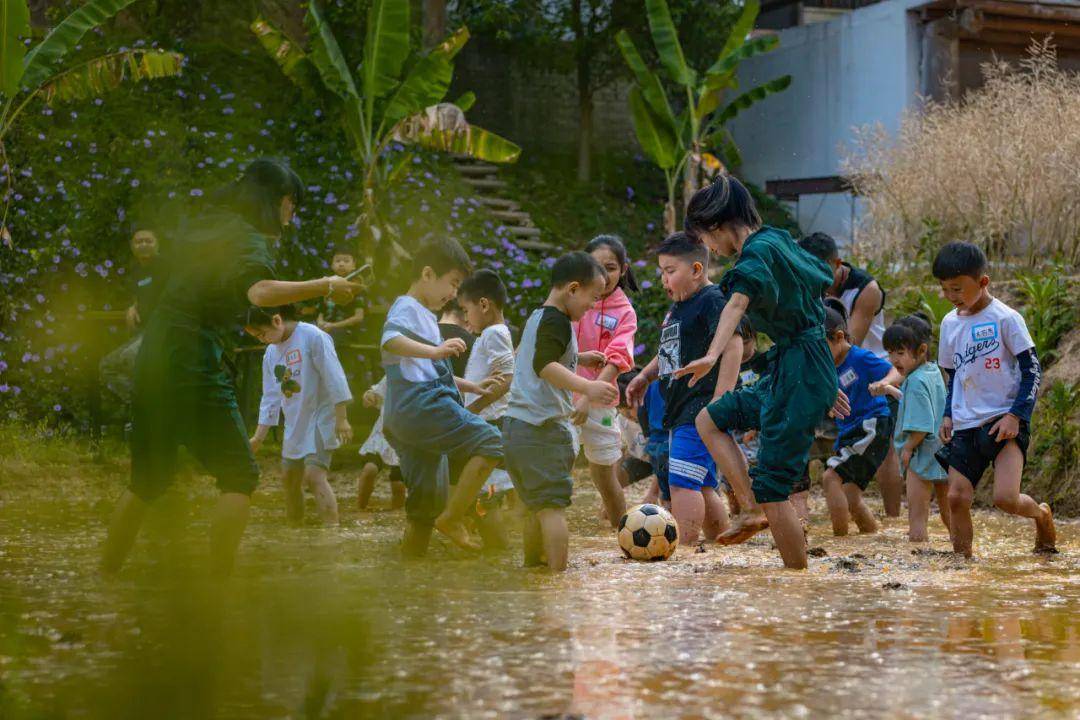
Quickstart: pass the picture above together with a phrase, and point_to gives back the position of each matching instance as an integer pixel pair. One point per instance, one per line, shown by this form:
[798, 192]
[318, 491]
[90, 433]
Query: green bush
[1048, 309]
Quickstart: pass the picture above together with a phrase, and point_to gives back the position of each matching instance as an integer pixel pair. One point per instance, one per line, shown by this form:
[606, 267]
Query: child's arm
[355, 319]
[888, 385]
[914, 439]
[635, 391]
[499, 387]
[1008, 427]
[581, 407]
[332, 376]
[603, 393]
[725, 329]
[407, 347]
[269, 406]
[342, 428]
[730, 361]
[863, 311]
[945, 431]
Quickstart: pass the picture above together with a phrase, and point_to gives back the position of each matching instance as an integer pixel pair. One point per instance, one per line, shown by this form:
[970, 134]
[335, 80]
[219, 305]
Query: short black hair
[257, 195]
[725, 201]
[745, 329]
[835, 317]
[959, 258]
[343, 250]
[442, 255]
[452, 308]
[577, 266]
[908, 333]
[264, 317]
[821, 246]
[484, 283]
[627, 281]
[680, 244]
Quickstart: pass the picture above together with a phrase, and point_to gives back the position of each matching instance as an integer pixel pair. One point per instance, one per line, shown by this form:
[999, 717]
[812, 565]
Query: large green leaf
[727, 64]
[466, 101]
[101, 74]
[723, 143]
[40, 62]
[14, 24]
[286, 52]
[750, 97]
[656, 137]
[386, 47]
[427, 82]
[443, 128]
[667, 44]
[741, 28]
[649, 82]
[326, 56]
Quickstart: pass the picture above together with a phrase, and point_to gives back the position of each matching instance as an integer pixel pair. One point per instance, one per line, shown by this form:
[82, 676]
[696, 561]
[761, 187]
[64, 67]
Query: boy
[341, 321]
[536, 428]
[303, 379]
[424, 418]
[452, 325]
[992, 379]
[687, 331]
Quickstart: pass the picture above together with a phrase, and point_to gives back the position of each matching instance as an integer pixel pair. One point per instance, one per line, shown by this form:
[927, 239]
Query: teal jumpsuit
[182, 393]
[784, 284]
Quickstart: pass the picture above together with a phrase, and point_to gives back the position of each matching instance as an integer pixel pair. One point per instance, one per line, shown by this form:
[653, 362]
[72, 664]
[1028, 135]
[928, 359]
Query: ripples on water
[328, 623]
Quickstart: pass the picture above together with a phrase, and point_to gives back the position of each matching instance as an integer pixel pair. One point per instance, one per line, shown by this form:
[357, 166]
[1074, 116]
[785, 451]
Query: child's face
[964, 291]
[477, 314]
[439, 289]
[581, 297]
[613, 269]
[904, 360]
[748, 348]
[268, 334]
[343, 264]
[144, 245]
[682, 277]
[838, 345]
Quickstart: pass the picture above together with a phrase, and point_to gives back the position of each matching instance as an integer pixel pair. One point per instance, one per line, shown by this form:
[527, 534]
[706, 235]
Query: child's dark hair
[442, 255]
[821, 246]
[257, 195]
[959, 258]
[264, 317]
[577, 266]
[745, 329]
[835, 317]
[343, 250]
[452, 308]
[725, 201]
[908, 333]
[680, 244]
[627, 281]
[484, 283]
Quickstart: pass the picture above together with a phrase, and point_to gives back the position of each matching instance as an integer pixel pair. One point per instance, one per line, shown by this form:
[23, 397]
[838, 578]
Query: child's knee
[705, 425]
[959, 497]
[1006, 500]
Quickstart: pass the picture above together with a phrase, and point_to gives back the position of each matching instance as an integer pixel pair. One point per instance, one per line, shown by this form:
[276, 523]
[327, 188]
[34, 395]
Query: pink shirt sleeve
[620, 349]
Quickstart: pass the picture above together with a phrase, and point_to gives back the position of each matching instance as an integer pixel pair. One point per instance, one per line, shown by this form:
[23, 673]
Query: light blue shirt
[921, 410]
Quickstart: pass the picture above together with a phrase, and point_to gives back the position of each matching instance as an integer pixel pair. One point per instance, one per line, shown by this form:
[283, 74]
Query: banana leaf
[101, 74]
[14, 24]
[287, 53]
[386, 47]
[750, 97]
[466, 101]
[427, 82]
[326, 55]
[443, 127]
[740, 29]
[667, 44]
[39, 63]
[649, 82]
[656, 137]
[719, 72]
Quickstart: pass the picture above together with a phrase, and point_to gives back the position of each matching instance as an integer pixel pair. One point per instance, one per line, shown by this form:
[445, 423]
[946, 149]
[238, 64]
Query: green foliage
[1055, 452]
[924, 300]
[1048, 309]
[14, 24]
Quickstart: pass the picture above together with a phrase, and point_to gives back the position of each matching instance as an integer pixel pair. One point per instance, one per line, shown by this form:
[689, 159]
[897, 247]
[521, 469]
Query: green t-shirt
[784, 283]
[921, 409]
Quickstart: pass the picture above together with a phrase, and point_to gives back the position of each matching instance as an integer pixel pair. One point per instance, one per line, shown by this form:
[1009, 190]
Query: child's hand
[324, 325]
[697, 369]
[343, 430]
[602, 393]
[490, 385]
[905, 457]
[371, 399]
[581, 411]
[255, 442]
[593, 359]
[1007, 428]
[842, 407]
[945, 431]
[635, 391]
[879, 388]
[450, 348]
[132, 317]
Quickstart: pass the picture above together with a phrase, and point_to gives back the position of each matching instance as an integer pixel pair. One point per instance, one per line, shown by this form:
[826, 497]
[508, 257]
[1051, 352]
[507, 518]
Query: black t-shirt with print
[552, 336]
[684, 337]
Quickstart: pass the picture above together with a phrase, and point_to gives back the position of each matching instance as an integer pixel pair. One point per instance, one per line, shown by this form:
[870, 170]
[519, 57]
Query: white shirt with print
[308, 358]
[981, 351]
[407, 312]
[493, 352]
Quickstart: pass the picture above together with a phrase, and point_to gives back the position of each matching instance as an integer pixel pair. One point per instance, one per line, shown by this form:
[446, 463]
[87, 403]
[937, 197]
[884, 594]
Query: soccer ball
[648, 532]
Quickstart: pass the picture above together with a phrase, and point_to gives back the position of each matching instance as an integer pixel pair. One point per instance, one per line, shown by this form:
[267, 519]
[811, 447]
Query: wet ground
[329, 623]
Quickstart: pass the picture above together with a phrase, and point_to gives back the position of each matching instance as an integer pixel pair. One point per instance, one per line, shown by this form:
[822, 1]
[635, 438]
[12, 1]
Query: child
[482, 298]
[376, 454]
[452, 325]
[424, 418]
[918, 420]
[992, 381]
[685, 336]
[635, 465]
[607, 328]
[650, 415]
[536, 429]
[864, 437]
[303, 379]
[341, 321]
[778, 286]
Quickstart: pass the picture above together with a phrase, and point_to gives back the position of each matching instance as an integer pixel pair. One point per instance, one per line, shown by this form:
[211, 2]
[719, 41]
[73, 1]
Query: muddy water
[328, 623]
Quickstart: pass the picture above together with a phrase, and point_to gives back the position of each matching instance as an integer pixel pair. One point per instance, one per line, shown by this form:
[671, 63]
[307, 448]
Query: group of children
[708, 416]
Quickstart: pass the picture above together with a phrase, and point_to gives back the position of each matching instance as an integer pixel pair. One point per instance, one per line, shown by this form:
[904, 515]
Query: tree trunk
[435, 20]
[585, 131]
[583, 61]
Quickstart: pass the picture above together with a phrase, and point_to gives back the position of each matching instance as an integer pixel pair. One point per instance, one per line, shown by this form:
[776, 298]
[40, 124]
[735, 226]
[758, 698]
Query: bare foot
[457, 534]
[743, 527]
[1045, 533]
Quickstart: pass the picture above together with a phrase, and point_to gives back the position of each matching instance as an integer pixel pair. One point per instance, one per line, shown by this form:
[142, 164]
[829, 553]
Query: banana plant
[397, 95]
[41, 72]
[685, 145]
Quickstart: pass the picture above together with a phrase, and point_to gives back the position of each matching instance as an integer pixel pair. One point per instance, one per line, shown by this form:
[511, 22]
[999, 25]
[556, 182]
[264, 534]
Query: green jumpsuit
[183, 394]
[784, 284]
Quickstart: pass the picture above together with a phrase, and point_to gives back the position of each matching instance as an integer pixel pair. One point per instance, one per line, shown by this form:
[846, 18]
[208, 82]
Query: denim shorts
[540, 460]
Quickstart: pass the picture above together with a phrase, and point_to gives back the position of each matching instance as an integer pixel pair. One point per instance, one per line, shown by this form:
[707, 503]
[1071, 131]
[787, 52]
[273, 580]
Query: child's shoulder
[1004, 310]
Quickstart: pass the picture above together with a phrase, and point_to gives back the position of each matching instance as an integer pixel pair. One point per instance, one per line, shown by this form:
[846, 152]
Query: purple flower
[645, 284]
[629, 193]
[639, 349]
[57, 408]
[196, 192]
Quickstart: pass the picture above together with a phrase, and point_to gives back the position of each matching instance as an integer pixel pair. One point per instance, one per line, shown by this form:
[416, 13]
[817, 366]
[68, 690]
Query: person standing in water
[182, 393]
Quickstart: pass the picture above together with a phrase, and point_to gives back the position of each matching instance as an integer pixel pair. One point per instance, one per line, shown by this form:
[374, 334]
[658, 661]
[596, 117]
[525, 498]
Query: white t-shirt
[307, 358]
[493, 352]
[981, 350]
[407, 312]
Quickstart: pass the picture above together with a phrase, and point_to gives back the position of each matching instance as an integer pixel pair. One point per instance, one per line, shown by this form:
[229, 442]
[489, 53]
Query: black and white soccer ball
[648, 532]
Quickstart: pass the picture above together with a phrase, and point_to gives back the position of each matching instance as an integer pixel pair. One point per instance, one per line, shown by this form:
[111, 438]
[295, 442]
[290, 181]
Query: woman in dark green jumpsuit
[221, 265]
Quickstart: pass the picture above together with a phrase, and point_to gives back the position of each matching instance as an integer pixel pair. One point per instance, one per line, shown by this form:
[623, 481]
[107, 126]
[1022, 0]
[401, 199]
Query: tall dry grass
[1001, 168]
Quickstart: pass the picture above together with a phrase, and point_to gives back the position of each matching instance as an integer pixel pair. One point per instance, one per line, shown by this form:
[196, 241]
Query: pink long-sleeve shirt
[609, 327]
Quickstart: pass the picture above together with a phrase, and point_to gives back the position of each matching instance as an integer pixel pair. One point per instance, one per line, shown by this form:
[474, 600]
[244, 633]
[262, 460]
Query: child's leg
[417, 537]
[492, 529]
[941, 492]
[556, 537]
[836, 501]
[124, 527]
[366, 485]
[787, 533]
[890, 483]
[864, 519]
[653, 493]
[918, 498]
[731, 463]
[611, 492]
[292, 477]
[532, 540]
[451, 521]
[688, 507]
[716, 517]
[1008, 469]
[325, 501]
[397, 489]
[961, 492]
[801, 502]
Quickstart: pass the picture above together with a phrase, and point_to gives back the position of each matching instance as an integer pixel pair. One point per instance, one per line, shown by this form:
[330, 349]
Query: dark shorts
[861, 450]
[376, 460]
[660, 457]
[540, 460]
[973, 450]
[636, 469]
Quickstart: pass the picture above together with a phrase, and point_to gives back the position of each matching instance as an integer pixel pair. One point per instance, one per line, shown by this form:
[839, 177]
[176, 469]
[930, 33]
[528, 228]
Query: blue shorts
[690, 465]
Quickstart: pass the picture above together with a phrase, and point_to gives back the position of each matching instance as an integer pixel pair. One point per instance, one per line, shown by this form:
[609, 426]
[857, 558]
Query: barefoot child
[424, 418]
[685, 336]
[536, 428]
[302, 379]
[377, 454]
[864, 437]
[607, 328]
[778, 286]
[992, 382]
[918, 420]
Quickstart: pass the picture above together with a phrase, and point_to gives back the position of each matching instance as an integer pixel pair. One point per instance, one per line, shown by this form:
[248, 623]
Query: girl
[922, 407]
[302, 379]
[608, 328]
[376, 453]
